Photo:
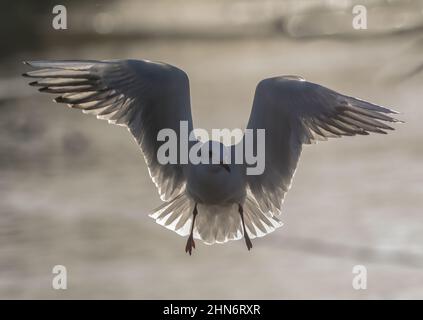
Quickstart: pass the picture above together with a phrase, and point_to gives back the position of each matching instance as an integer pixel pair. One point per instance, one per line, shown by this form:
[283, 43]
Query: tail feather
[176, 214]
[259, 223]
[214, 223]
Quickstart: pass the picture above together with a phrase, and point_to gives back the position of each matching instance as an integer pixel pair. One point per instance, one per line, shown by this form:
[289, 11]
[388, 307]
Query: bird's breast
[209, 184]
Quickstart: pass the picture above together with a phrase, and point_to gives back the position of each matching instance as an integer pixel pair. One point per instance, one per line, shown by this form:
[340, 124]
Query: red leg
[246, 237]
[190, 242]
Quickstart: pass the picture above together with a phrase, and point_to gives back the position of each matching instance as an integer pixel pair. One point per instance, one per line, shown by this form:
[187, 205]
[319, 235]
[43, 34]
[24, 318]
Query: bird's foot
[248, 242]
[190, 245]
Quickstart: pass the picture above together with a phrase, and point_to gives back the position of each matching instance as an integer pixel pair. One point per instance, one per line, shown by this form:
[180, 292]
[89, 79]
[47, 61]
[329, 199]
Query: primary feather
[142, 95]
[296, 112]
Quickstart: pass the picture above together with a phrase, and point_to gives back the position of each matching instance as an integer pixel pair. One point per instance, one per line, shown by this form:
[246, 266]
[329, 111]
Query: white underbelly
[220, 187]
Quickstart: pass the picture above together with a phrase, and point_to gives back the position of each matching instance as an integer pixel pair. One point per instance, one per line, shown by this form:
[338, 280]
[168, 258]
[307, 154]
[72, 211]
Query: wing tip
[392, 111]
[31, 63]
[398, 113]
[395, 120]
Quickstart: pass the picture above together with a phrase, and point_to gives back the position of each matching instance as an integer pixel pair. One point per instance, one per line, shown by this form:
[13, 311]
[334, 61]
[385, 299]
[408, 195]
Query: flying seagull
[211, 202]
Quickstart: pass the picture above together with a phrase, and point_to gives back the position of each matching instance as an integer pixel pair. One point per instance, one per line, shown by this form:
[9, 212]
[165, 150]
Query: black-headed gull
[211, 202]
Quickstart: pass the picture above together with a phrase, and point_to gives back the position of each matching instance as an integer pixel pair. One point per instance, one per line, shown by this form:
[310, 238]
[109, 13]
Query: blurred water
[76, 191]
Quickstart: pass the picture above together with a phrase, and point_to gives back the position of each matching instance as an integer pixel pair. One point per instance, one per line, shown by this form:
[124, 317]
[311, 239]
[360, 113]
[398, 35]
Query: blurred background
[75, 191]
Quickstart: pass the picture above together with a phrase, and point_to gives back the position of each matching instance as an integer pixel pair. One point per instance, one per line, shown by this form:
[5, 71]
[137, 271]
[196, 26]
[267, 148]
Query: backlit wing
[295, 112]
[142, 95]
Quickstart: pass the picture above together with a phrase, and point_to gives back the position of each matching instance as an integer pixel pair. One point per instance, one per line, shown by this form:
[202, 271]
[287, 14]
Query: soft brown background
[75, 191]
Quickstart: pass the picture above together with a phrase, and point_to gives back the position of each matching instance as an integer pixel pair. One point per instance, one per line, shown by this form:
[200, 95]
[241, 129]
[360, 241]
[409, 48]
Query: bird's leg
[246, 237]
[190, 242]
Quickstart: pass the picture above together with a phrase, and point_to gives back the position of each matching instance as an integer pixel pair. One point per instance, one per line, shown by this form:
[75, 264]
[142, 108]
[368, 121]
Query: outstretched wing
[295, 112]
[142, 95]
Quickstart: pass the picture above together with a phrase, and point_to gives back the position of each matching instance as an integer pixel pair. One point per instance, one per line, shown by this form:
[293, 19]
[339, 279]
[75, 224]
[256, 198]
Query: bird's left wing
[142, 95]
[295, 112]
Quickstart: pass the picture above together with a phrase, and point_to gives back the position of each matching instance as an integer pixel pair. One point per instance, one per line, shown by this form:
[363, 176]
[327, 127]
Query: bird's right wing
[295, 112]
[142, 95]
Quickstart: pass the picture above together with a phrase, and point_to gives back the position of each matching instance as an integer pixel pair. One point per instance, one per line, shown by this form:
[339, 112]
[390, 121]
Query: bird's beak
[225, 166]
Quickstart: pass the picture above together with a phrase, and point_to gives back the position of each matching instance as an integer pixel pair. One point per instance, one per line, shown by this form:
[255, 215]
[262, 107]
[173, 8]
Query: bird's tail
[214, 223]
[176, 214]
